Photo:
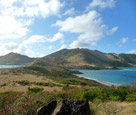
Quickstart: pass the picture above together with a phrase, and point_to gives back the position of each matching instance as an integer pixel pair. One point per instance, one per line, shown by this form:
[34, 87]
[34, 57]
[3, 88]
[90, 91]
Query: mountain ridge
[85, 58]
[15, 59]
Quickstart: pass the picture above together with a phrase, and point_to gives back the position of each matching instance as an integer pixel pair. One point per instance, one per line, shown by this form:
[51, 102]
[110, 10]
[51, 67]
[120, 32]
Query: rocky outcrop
[65, 107]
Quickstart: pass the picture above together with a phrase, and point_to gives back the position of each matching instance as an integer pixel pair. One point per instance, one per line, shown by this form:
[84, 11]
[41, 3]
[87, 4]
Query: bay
[124, 76]
[10, 66]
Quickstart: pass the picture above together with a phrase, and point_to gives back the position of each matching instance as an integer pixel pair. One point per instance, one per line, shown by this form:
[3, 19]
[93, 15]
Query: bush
[131, 97]
[114, 98]
[23, 83]
[44, 84]
[92, 94]
[35, 89]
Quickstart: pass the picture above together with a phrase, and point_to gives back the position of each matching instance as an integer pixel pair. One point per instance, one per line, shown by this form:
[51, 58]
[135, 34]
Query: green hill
[15, 59]
[85, 58]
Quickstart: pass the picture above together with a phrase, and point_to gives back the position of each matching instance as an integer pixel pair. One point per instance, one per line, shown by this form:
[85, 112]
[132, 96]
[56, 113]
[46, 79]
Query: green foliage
[51, 73]
[121, 93]
[131, 97]
[44, 84]
[27, 103]
[35, 89]
[114, 98]
[66, 87]
[92, 94]
[50, 84]
[3, 85]
[23, 83]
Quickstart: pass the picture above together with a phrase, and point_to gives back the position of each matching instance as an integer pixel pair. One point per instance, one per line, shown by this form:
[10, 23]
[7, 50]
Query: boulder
[65, 107]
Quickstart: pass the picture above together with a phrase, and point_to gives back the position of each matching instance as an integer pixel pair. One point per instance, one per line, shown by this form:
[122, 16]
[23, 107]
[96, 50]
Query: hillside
[85, 58]
[15, 59]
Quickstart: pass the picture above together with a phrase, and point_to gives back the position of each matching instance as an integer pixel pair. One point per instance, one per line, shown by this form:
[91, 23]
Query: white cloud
[112, 31]
[124, 40]
[89, 26]
[10, 46]
[31, 8]
[57, 36]
[12, 28]
[7, 47]
[79, 44]
[132, 52]
[7, 3]
[34, 39]
[63, 46]
[70, 11]
[41, 7]
[50, 47]
[101, 4]
[26, 50]
[16, 15]
[24, 47]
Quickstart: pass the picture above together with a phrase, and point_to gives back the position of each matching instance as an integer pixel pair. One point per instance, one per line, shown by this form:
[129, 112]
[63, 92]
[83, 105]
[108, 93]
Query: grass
[27, 103]
[36, 76]
[36, 87]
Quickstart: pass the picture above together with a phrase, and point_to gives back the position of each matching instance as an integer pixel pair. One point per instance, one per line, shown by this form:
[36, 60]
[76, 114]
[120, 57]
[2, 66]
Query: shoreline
[104, 83]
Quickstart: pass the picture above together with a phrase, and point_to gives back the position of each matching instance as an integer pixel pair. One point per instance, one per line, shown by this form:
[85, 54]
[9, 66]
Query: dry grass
[10, 85]
[113, 108]
[127, 108]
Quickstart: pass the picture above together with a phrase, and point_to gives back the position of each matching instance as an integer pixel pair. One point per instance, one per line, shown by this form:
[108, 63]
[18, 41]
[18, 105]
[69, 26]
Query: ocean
[124, 76]
[10, 66]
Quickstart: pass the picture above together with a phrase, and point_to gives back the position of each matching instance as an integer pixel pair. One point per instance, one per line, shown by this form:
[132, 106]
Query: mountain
[15, 59]
[85, 58]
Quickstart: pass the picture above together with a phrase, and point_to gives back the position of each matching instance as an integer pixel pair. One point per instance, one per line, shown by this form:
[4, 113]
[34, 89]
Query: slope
[85, 58]
[15, 59]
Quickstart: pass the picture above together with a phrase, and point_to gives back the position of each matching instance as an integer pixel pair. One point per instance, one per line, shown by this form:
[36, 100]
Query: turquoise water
[125, 76]
[10, 66]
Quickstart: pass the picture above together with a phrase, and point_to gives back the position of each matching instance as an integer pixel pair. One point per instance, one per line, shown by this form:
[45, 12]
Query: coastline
[104, 83]
[10, 66]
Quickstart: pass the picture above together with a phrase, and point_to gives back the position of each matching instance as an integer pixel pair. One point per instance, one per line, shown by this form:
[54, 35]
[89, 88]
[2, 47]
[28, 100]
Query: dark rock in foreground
[65, 107]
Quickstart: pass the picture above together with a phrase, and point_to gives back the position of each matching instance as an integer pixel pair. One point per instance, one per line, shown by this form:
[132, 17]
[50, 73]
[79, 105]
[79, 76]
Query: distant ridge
[85, 58]
[15, 59]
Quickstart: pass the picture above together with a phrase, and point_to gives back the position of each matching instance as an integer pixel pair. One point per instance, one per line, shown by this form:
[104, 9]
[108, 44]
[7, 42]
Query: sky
[39, 27]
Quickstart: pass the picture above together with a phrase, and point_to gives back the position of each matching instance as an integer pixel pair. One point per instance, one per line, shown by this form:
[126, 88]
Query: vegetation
[28, 83]
[35, 89]
[23, 83]
[86, 59]
[104, 97]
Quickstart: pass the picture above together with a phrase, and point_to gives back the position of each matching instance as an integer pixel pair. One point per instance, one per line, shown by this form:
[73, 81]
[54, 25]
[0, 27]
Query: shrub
[131, 97]
[114, 98]
[92, 94]
[23, 83]
[35, 89]
[3, 85]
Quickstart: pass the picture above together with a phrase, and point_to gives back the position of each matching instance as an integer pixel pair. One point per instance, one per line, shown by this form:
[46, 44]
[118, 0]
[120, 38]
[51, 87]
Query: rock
[48, 109]
[75, 71]
[65, 107]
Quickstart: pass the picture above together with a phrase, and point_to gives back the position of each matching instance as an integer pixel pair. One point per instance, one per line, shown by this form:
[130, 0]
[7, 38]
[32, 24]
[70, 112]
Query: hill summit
[85, 58]
[15, 59]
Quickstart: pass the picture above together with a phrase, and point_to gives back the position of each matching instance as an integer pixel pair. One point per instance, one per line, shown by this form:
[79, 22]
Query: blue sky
[39, 27]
